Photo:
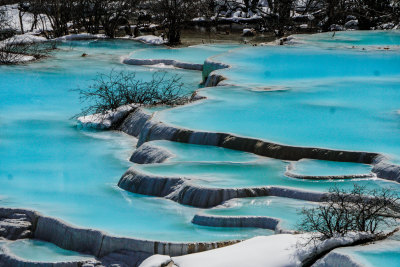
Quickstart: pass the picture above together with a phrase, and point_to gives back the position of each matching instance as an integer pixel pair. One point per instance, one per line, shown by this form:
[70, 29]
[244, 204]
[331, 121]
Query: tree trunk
[21, 23]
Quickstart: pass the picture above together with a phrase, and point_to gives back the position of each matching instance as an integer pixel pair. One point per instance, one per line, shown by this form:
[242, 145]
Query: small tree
[115, 13]
[58, 12]
[173, 14]
[357, 210]
[110, 91]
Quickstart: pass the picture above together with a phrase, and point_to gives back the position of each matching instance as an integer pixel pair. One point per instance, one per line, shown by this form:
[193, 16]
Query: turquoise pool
[384, 253]
[261, 173]
[354, 114]
[304, 96]
[352, 38]
[51, 166]
[182, 152]
[311, 167]
[285, 209]
[39, 251]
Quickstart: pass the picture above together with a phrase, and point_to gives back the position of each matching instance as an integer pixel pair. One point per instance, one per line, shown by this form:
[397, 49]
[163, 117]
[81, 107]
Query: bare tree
[110, 91]
[58, 12]
[116, 13]
[14, 50]
[173, 14]
[357, 210]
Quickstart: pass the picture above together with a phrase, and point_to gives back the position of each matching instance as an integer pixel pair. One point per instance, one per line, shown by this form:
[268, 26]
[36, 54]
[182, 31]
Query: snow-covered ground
[81, 36]
[281, 250]
[150, 39]
[106, 120]
[26, 38]
[19, 58]
[12, 13]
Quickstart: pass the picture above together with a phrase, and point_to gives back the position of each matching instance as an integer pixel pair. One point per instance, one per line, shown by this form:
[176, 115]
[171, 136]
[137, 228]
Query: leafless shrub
[14, 50]
[110, 91]
[357, 210]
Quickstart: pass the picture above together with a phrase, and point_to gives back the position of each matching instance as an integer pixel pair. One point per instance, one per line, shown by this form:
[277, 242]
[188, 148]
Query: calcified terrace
[231, 146]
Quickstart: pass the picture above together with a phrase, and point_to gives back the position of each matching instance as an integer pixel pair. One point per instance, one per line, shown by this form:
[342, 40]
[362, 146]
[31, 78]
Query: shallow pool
[285, 209]
[352, 38]
[357, 114]
[384, 253]
[40, 251]
[311, 167]
[51, 166]
[260, 173]
[342, 99]
[198, 153]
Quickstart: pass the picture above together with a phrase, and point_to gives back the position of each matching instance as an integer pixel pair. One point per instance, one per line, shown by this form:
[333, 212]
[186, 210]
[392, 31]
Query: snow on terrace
[150, 39]
[272, 251]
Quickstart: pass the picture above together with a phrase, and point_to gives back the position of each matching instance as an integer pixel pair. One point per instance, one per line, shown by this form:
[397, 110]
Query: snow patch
[81, 36]
[156, 261]
[107, 120]
[12, 14]
[27, 38]
[274, 251]
[335, 259]
[163, 63]
[21, 59]
[150, 39]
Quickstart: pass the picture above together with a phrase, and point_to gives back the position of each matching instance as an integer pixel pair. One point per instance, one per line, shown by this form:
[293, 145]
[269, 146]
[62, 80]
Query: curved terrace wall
[168, 62]
[147, 154]
[386, 170]
[99, 244]
[148, 130]
[264, 222]
[184, 192]
[210, 78]
[290, 172]
[159, 131]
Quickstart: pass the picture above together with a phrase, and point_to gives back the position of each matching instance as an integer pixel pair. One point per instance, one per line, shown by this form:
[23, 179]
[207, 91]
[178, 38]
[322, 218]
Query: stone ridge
[168, 62]
[263, 222]
[99, 243]
[290, 172]
[184, 192]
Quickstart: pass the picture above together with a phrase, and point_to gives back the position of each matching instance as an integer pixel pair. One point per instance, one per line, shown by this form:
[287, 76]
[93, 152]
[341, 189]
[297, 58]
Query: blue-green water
[339, 106]
[384, 253]
[51, 166]
[261, 173]
[352, 38]
[285, 209]
[328, 168]
[39, 251]
[199, 153]
[334, 98]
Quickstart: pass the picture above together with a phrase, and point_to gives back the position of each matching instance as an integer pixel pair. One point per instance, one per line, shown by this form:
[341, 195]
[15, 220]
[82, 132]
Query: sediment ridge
[147, 154]
[263, 222]
[168, 62]
[184, 192]
[99, 243]
[290, 172]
